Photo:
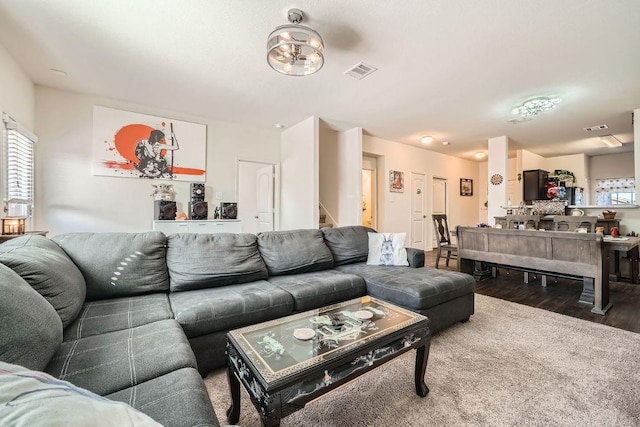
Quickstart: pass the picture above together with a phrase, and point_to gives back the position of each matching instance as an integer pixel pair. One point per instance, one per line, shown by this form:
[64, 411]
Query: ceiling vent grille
[598, 127]
[360, 71]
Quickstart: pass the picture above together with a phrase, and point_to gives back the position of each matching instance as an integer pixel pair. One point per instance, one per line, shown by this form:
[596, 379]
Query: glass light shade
[295, 50]
[535, 106]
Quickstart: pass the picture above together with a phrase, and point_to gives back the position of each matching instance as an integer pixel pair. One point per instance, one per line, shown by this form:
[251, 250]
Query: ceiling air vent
[360, 71]
[598, 127]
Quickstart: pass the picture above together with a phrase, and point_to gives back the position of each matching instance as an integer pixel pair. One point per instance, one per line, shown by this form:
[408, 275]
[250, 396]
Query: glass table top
[276, 352]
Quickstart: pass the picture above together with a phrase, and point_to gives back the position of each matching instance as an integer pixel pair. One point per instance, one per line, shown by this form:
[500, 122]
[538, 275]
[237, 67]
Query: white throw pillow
[33, 398]
[387, 249]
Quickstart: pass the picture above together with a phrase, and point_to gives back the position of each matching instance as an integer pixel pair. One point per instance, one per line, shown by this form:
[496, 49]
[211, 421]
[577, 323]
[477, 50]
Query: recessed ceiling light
[279, 126]
[426, 139]
[597, 127]
[479, 155]
[445, 143]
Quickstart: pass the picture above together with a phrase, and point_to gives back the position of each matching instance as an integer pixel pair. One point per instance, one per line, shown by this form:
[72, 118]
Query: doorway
[438, 201]
[369, 191]
[418, 211]
[257, 196]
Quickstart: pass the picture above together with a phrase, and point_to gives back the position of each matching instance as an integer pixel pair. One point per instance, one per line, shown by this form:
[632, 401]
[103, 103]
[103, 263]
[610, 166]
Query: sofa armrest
[415, 257]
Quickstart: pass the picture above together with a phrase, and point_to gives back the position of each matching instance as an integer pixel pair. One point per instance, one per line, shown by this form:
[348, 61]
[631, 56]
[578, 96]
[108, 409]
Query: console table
[557, 253]
[198, 226]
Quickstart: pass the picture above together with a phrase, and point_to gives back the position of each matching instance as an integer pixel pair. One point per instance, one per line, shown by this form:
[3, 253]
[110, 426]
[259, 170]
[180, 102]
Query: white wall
[395, 208]
[498, 163]
[70, 198]
[341, 176]
[17, 92]
[299, 175]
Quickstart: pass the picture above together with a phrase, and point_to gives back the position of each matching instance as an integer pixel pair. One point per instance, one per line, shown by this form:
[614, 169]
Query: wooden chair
[572, 223]
[443, 239]
[530, 222]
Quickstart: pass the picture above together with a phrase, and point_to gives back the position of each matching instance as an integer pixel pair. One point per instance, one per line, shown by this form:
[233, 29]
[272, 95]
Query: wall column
[636, 148]
[497, 165]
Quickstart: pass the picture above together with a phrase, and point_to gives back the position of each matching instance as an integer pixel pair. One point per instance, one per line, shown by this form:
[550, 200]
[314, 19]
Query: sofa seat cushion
[349, 244]
[33, 398]
[320, 288]
[294, 251]
[99, 317]
[116, 360]
[178, 398]
[30, 329]
[205, 311]
[48, 269]
[197, 261]
[413, 288]
[118, 264]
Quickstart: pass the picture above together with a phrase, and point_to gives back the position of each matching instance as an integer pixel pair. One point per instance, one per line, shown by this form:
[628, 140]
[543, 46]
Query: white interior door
[418, 216]
[367, 198]
[439, 200]
[265, 197]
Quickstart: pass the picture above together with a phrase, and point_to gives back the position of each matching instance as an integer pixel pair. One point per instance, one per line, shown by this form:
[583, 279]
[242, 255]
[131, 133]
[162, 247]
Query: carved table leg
[422, 356]
[233, 413]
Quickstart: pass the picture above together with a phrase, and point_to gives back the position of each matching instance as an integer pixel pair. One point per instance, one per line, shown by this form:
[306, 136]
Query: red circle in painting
[127, 138]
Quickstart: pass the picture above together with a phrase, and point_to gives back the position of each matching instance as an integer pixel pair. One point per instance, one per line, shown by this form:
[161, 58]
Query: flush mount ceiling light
[479, 155]
[535, 106]
[611, 141]
[293, 49]
[426, 139]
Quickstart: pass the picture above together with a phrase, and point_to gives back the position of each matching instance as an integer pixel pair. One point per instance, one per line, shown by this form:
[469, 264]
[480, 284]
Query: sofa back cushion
[118, 264]
[349, 244]
[48, 269]
[294, 251]
[197, 261]
[31, 330]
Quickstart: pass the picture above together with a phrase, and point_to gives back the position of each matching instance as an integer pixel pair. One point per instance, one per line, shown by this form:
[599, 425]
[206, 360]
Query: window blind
[19, 168]
[615, 184]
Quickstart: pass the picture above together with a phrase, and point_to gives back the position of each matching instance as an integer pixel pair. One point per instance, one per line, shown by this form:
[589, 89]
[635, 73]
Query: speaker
[228, 210]
[164, 209]
[197, 192]
[198, 210]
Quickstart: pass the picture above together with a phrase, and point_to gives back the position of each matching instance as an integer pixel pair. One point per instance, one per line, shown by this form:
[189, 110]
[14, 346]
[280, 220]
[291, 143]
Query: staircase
[323, 221]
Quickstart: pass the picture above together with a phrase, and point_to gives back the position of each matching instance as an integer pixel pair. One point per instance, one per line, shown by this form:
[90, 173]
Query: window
[615, 191]
[18, 168]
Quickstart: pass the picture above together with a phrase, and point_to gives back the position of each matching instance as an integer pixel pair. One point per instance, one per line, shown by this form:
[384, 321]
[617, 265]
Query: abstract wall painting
[134, 145]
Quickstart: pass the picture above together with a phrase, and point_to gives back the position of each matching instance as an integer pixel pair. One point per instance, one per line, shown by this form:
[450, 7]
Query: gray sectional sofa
[140, 317]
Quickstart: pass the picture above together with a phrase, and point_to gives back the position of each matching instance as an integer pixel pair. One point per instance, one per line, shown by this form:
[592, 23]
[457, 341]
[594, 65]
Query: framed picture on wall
[134, 145]
[466, 187]
[396, 181]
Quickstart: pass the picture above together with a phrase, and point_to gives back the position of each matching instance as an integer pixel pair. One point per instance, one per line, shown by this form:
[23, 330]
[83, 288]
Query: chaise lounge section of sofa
[140, 317]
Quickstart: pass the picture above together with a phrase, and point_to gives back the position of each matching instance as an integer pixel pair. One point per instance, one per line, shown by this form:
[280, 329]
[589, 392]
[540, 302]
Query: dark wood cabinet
[534, 185]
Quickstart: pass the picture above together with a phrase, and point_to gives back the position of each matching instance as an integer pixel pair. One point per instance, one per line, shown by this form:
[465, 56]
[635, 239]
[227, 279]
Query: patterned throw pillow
[31, 398]
[387, 249]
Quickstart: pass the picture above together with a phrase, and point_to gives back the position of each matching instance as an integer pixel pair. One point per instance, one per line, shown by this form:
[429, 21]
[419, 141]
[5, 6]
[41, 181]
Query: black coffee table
[282, 373]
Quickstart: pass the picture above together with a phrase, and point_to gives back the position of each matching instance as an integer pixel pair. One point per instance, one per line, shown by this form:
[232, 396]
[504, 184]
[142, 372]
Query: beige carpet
[510, 365]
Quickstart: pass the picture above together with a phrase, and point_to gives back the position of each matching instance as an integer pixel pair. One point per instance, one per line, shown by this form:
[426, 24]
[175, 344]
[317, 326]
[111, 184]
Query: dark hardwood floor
[560, 296]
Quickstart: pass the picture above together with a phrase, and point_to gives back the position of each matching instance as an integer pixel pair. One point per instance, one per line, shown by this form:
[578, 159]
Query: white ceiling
[452, 69]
